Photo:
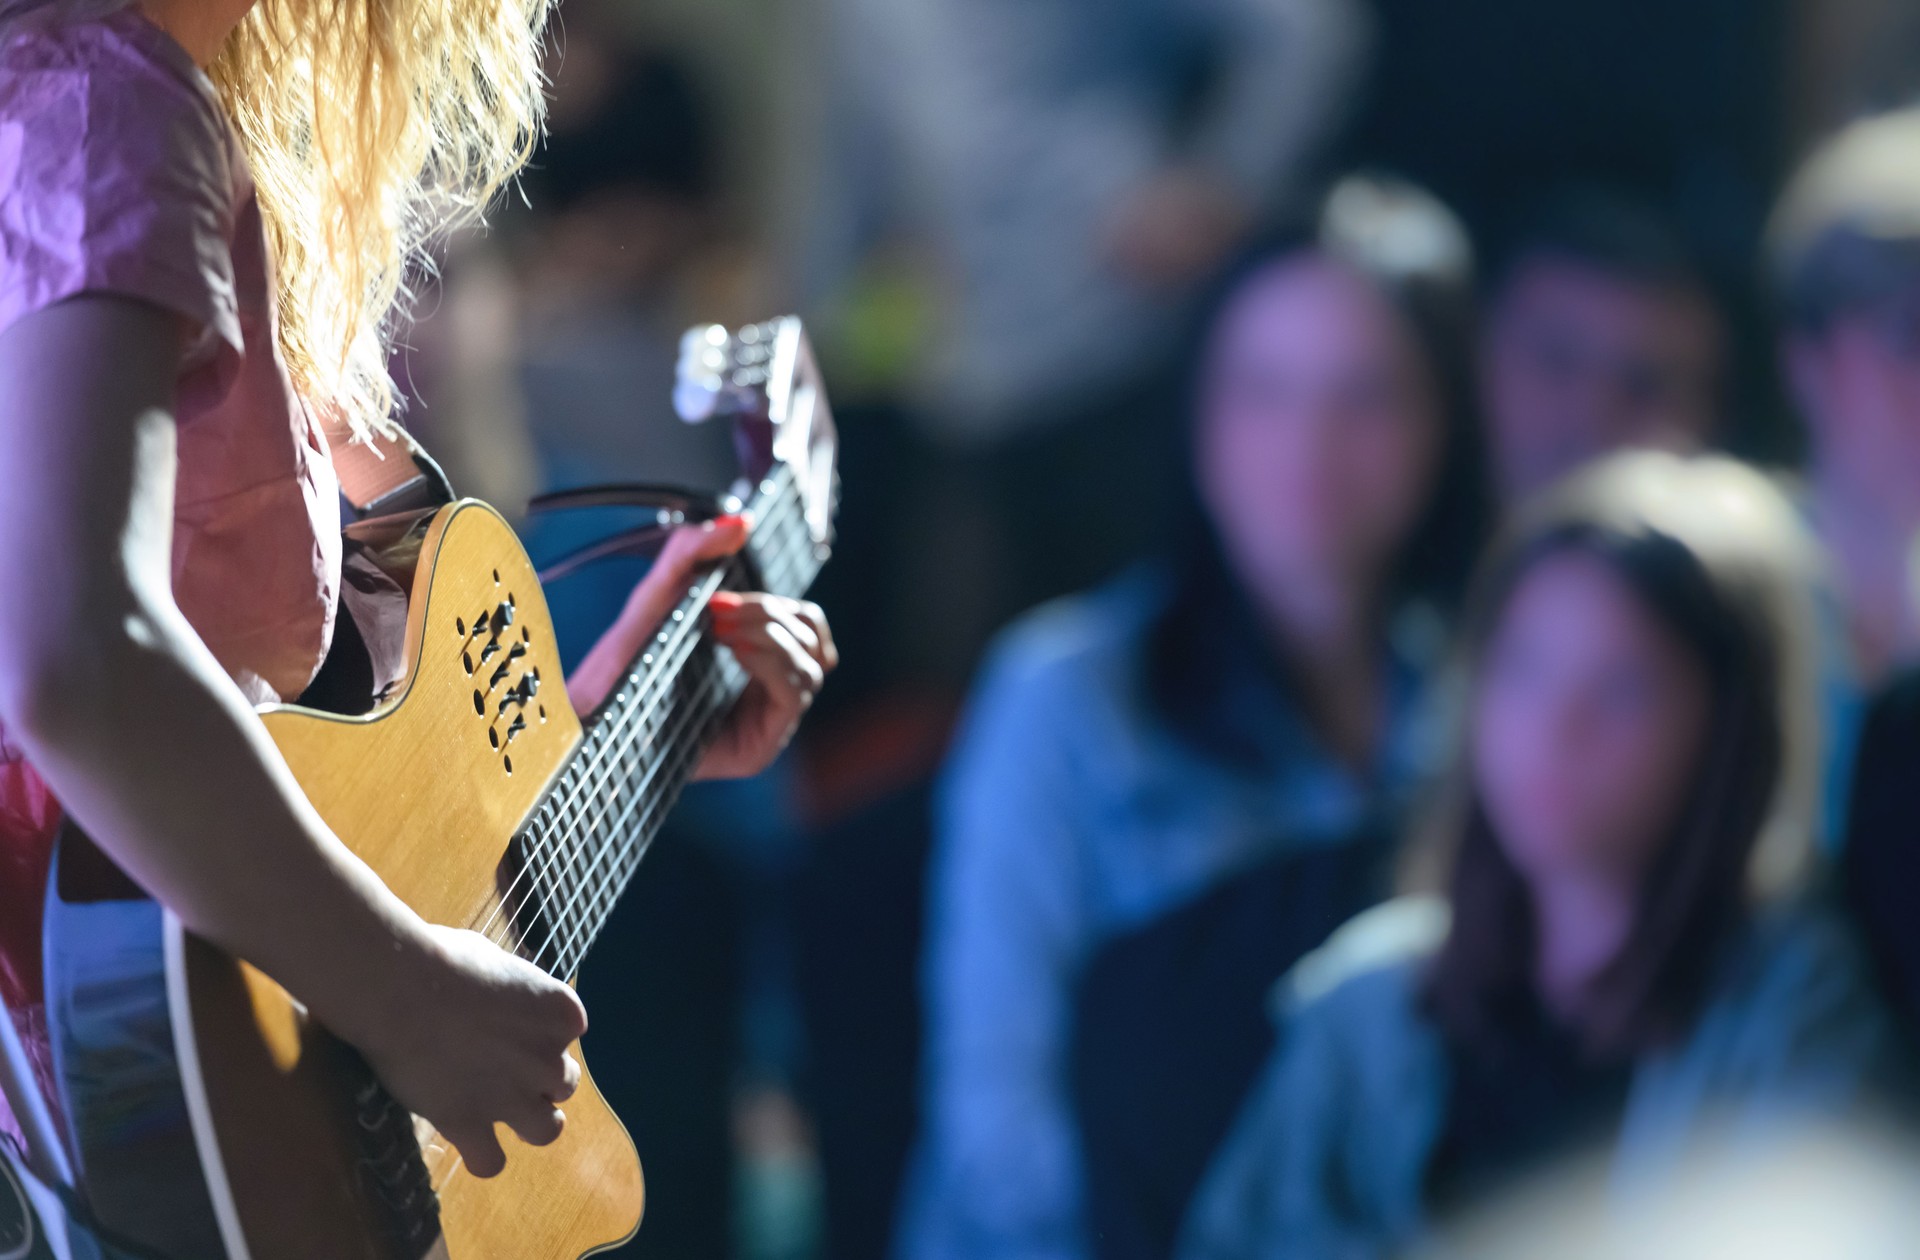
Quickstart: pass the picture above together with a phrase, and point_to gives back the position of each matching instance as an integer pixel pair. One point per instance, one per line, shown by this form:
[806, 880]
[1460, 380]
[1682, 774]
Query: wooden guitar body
[428, 790]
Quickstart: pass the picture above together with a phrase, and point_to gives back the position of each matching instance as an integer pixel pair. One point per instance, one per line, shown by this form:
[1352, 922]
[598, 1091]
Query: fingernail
[731, 520]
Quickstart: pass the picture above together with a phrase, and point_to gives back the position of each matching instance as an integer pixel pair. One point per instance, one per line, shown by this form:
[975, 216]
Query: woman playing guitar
[206, 207]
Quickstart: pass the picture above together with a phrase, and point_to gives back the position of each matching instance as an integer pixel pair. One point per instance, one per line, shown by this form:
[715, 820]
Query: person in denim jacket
[1129, 750]
[1630, 958]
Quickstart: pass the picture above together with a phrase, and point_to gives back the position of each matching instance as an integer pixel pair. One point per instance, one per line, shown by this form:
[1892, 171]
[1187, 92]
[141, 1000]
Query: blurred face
[1580, 362]
[1319, 430]
[1859, 386]
[1588, 724]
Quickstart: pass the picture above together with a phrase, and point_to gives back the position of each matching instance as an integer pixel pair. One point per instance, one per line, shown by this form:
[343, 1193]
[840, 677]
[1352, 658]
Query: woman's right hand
[476, 1037]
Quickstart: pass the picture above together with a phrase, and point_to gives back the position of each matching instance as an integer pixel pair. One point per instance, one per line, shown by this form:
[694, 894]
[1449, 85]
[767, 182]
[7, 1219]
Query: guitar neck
[581, 845]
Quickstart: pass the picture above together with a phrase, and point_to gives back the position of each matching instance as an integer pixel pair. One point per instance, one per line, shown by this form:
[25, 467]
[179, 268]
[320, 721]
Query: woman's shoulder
[1079, 647]
[103, 103]
[1089, 628]
[117, 167]
[1797, 993]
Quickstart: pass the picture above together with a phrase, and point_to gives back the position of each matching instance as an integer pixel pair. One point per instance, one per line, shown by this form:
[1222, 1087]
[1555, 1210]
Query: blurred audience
[1601, 333]
[1629, 955]
[1253, 696]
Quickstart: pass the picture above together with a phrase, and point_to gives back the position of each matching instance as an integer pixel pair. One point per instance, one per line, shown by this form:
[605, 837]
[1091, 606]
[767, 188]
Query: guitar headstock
[764, 379]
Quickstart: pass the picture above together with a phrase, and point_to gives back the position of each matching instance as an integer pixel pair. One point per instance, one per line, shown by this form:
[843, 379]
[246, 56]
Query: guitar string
[615, 779]
[645, 705]
[563, 796]
[616, 739]
[557, 851]
[642, 710]
[616, 844]
[567, 956]
[618, 782]
[620, 840]
[610, 755]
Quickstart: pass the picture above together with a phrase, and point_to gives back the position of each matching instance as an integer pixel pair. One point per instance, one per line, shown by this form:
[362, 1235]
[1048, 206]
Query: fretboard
[582, 843]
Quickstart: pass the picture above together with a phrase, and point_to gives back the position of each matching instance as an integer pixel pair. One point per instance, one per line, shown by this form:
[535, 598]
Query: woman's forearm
[158, 755]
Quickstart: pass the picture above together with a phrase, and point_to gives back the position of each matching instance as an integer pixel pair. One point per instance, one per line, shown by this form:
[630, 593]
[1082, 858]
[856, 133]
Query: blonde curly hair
[374, 127]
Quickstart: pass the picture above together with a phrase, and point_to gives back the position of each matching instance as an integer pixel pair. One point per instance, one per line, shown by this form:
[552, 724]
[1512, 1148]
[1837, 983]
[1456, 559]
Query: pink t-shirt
[120, 174]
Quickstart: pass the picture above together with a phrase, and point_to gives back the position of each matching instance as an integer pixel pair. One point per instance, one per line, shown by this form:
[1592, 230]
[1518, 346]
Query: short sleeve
[117, 175]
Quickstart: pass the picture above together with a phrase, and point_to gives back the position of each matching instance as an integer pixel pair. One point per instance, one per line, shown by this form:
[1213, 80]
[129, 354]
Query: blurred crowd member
[1848, 259]
[1075, 168]
[1131, 749]
[1629, 956]
[1846, 269]
[1601, 334]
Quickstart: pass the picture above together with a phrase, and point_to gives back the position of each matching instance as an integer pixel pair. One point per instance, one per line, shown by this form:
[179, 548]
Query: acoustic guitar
[231, 1125]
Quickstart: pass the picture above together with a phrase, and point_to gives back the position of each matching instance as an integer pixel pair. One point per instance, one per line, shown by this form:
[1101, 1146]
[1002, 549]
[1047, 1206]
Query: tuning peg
[695, 399]
[698, 376]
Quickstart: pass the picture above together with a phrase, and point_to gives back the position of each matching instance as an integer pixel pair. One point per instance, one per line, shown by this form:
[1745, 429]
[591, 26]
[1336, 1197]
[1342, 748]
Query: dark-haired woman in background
[1130, 751]
[1628, 960]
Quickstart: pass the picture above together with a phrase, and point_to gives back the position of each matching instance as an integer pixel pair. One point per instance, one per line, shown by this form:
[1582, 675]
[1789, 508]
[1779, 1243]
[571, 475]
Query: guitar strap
[388, 484]
[383, 475]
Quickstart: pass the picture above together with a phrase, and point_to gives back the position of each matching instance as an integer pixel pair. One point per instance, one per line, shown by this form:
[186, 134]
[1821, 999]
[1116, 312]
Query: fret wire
[691, 715]
[681, 766]
[634, 728]
[780, 522]
[691, 678]
[652, 726]
[577, 780]
[722, 684]
[794, 546]
[612, 747]
[556, 859]
[561, 851]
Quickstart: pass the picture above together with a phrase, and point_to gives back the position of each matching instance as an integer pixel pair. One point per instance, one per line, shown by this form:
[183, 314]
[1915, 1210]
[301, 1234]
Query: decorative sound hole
[495, 657]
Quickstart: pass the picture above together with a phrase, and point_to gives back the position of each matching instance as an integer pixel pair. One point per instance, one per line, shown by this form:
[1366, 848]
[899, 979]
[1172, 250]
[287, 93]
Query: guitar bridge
[393, 1169]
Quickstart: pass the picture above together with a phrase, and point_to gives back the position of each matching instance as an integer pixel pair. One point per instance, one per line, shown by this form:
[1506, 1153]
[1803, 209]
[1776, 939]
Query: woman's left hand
[787, 650]
[784, 645]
